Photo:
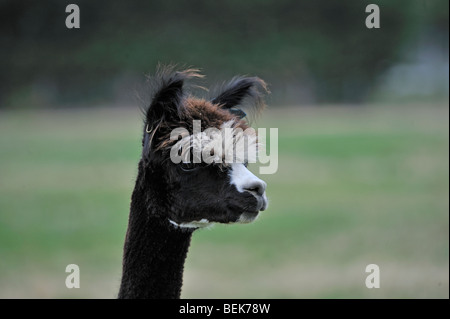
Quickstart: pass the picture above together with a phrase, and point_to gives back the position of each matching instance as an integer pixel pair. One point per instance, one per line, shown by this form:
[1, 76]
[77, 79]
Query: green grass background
[355, 186]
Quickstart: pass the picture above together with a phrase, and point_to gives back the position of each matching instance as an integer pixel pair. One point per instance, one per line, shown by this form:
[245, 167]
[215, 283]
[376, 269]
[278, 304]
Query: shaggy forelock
[209, 115]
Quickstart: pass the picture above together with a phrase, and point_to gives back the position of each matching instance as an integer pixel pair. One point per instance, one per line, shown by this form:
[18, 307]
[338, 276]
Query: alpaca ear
[167, 103]
[242, 95]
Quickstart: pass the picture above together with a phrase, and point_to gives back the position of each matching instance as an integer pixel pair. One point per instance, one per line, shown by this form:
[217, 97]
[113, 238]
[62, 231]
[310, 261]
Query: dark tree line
[322, 46]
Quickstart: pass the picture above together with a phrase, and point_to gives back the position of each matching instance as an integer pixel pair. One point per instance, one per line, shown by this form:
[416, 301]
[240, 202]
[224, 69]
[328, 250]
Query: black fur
[154, 251]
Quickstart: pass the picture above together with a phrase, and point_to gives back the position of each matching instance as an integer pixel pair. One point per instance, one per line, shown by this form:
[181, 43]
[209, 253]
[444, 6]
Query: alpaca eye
[188, 166]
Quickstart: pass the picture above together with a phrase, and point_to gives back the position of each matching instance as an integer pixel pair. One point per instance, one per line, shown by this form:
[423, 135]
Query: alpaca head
[194, 191]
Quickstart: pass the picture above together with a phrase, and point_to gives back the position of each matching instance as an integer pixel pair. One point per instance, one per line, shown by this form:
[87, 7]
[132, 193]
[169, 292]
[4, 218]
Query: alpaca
[170, 201]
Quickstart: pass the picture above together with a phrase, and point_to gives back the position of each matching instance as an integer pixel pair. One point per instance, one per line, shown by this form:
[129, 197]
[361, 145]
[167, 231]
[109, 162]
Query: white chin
[246, 218]
[194, 224]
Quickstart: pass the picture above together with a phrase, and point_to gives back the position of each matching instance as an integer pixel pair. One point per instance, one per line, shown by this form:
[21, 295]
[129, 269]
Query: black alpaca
[170, 201]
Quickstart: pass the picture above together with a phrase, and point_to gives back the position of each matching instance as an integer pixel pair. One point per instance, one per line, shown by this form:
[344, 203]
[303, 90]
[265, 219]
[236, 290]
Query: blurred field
[355, 186]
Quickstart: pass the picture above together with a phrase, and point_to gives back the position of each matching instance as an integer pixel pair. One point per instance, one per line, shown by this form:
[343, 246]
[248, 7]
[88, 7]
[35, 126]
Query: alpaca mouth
[262, 202]
[249, 212]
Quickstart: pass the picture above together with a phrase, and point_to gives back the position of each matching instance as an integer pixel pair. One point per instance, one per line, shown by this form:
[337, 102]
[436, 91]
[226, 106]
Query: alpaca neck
[154, 256]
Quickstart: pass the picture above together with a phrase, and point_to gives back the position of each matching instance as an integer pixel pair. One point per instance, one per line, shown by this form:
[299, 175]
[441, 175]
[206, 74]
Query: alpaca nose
[258, 187]
[244, 180]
